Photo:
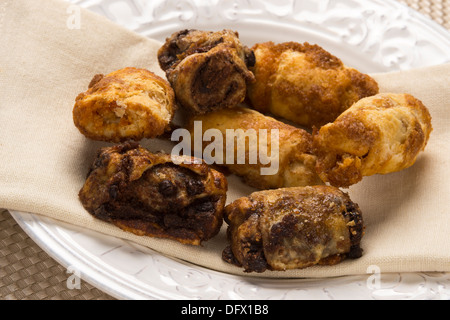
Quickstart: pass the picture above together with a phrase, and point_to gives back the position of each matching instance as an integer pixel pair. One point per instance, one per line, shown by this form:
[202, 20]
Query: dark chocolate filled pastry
[293, 228]
[207, 70]
[148, 194]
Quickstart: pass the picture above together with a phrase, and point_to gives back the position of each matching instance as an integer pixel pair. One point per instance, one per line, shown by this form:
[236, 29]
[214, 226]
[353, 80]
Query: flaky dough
[207, 70]
[304, 83]
[296, 162]
[377, 135]
[126, 104]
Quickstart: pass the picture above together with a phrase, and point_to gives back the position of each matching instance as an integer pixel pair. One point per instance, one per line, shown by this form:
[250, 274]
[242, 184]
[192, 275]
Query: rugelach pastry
[293, 228]
[207, 70]
[263, 159]
[377, 135]
[127, 104]
[150, 195]
[305, 84]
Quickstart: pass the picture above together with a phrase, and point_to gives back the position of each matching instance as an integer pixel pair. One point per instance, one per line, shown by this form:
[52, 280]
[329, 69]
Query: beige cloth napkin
[44, 64]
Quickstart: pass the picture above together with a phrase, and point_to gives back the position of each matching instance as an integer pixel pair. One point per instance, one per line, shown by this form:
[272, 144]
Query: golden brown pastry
[126, 104]
[254, 155]
[208, 70]
[377, 135]
[293, 228]
[147, 194]
[304, 83]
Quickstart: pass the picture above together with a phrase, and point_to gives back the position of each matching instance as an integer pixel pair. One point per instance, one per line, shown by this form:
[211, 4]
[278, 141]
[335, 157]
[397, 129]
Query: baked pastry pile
[300, 218]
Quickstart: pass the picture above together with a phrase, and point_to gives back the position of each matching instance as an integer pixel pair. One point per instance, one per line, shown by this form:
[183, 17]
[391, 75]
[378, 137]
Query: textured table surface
[27, 272]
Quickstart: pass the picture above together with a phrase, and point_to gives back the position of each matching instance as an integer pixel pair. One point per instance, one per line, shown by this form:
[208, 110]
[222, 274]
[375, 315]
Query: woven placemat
[28, 273]
[438, 10]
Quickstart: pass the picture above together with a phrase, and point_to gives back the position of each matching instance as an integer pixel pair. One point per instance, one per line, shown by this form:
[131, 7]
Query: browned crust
[378, 135]
[300, 219]
[147, 194]
[295, 148]
[208, 70]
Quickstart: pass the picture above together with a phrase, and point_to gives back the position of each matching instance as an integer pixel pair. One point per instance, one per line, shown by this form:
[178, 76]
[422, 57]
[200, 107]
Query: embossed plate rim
[56, 238]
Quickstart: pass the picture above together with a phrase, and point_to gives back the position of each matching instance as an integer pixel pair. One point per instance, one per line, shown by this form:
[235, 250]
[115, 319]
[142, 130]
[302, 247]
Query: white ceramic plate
[371, 35]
